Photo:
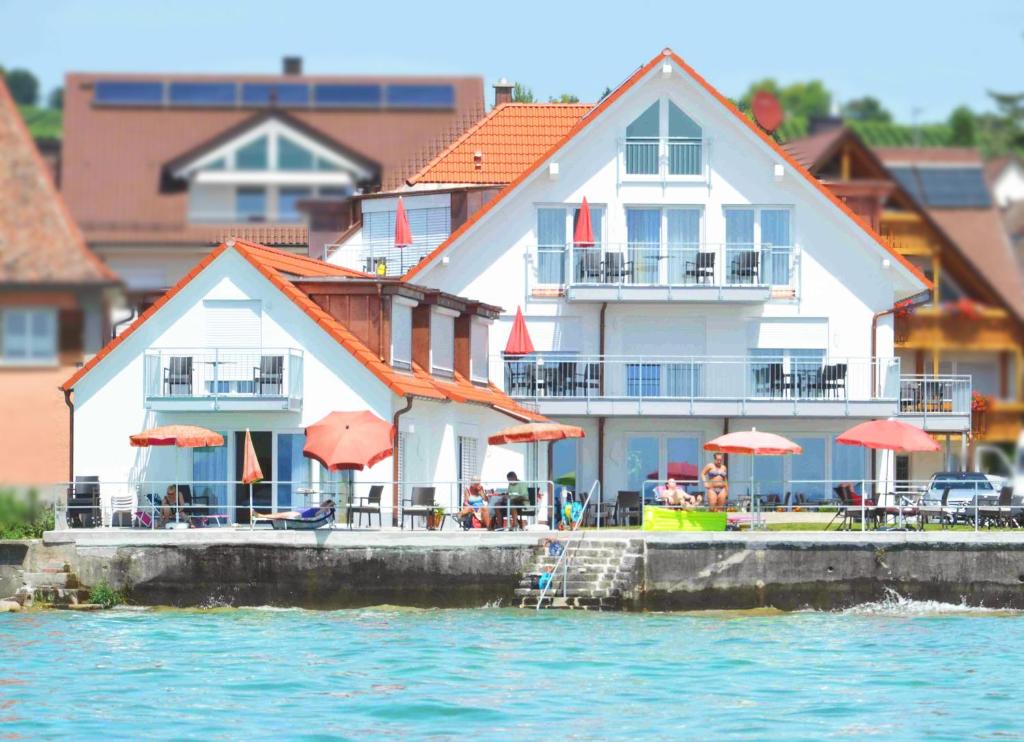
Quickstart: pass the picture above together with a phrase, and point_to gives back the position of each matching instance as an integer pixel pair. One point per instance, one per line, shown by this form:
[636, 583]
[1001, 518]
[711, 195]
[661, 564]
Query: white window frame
[49, 354]
[794, 269]
[569, 208]
[663, 175]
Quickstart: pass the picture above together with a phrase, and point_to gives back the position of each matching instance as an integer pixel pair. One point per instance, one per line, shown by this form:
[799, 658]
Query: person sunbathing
[674, 495]
[309, 513]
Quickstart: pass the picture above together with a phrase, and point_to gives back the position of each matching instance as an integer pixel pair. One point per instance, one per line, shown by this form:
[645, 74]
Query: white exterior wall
[1008, 186]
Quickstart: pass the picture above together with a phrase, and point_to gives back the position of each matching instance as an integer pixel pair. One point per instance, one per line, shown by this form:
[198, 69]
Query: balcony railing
[660, 156]
[236, 378]
[933, 396]
[669, 264]
[379, 260]
[703, 378]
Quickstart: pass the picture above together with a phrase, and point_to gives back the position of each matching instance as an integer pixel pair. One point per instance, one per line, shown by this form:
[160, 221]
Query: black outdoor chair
[587, 379]
[368, 506]
[421, 504]
[702, 269]
[616, 268]
[1000, 514]
[834, 380]
[939, 512]
[849, 512]
[589, 268]
[527, 509]
[779, 381]
[84, 503]
[745, 267]
[628, 507]
[268, 377]
[519, 378]
[178, 376]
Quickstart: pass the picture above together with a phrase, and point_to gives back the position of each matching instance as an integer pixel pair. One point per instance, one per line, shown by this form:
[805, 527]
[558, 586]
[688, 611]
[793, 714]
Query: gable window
[758, 245]
[251, 204]
[252, 156]
[442, 341]
[28, 335]
[555, 227]
[291, 156]
[664, 140]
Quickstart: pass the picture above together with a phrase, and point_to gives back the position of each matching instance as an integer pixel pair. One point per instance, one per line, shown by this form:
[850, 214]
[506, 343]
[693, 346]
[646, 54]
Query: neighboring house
[1005, 176]
[54, 294]
[185, 161]
[258, 339]
[727, 289]
[933, 207]
[452, 187]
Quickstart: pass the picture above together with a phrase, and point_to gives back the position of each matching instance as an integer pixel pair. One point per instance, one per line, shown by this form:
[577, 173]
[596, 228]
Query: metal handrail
[563, 557]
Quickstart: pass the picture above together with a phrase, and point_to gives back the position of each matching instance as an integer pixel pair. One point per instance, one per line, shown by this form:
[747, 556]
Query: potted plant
[435, 519]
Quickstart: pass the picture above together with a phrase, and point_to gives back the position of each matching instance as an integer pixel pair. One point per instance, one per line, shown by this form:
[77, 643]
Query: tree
[768, 85]
[522, 94]
[56, 99]
[805, 99]
[868, 108]
[565, 98]
[962, 128]
[606, 93]
[23, 85]
[1007, 126]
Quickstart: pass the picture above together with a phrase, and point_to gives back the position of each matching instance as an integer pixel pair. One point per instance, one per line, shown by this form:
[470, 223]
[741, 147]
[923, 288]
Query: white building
[728, 289]
[1006, 178]
[262, 340]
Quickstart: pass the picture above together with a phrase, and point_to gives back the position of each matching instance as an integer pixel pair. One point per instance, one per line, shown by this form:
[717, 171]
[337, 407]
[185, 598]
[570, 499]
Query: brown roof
[929, 155]
[814, 150]
[125, 148]
[509, 140]
[39, 242]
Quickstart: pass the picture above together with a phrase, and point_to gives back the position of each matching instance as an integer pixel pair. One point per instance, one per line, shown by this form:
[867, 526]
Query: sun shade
[532, 432]
[583, 234]
[519, 342]
[349, 440]
[403, 235]
[182, 436]
[889, 435]
[754, 443]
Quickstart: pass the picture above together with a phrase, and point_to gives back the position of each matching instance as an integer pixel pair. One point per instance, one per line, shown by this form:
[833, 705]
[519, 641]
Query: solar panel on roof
[957, 187]
[907, 177]
[347, 96]
[128, 93]
[421, 96]
[203, 93]
[284, 94]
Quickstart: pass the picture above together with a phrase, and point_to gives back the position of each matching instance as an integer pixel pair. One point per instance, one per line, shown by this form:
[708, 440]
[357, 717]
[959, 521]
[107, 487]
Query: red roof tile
[39, 241]
[945, 155]
[608, 101]
[811, 151]
[509, 139]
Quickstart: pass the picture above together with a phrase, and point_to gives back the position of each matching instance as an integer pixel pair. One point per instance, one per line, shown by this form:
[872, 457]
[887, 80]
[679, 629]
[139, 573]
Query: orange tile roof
[276, 266]
[608, 101]
[510, 138]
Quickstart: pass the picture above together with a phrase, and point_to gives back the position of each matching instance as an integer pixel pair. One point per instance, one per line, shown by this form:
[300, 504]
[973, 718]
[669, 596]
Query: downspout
[71, 434]
[600, 420]
[380, 322]
[394, 461]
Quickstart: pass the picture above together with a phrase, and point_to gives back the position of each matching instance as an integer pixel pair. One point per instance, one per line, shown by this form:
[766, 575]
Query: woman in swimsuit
[716, 481]
[473, 503]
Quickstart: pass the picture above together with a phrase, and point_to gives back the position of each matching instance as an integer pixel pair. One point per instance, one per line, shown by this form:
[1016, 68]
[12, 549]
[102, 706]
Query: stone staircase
[598, 573]
[55, 584]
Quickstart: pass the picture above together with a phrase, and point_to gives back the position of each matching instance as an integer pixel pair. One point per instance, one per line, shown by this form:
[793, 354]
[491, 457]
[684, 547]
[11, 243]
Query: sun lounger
[303, 524]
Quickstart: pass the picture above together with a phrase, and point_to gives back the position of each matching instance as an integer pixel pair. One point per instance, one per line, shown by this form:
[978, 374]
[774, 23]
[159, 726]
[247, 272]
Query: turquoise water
[895, 670]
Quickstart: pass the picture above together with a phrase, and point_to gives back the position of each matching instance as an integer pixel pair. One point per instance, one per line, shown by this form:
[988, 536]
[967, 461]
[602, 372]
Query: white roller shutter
[233, 324]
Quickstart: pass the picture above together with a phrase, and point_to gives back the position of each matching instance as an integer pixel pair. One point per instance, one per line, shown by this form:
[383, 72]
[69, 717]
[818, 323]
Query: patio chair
[421, 504]
[850, 512]
[84, 503]
[940, 512]
[779, 382]
[834, 380]
[745, 267]
[628, 506]
[527, 509]
[122, 510]
[616, 268]
[587, 379]
[701, 269]
[367, 506]
[589, 270]
[178, 376]
[999, 514]
[519, 378]
[268, 376]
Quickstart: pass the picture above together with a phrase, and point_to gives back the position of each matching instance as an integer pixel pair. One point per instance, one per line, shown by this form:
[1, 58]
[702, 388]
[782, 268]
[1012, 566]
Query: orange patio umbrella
[349, 440]
[533, 432]
[403, 235]
[519, 342]
[889, 435]
[753, 443]
[179, 436]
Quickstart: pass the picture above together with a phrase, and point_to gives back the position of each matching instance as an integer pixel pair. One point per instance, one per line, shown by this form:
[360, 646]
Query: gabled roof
[258, 119]
[815, 150]
[509, 139]
[39, 241]
[280, 267]
[609, 100]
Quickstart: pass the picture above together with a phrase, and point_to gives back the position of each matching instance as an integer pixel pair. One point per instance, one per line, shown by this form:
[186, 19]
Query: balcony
[246, 379]
[378, 260]
[706, 386]
[659, 272]
[938, 404]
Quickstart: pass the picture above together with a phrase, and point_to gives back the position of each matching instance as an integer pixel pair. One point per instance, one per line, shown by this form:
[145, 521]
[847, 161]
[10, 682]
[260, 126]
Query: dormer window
[664, 140]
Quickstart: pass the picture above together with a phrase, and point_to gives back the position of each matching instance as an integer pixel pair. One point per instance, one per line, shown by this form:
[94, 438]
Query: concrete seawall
[679, 571]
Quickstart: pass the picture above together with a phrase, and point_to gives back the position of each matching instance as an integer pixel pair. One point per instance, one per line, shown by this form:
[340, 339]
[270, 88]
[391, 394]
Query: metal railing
[176, 375]
[935, 396]
[663, 156]
[669, 264]
[702, 378]
[575, 540]
[382, 260]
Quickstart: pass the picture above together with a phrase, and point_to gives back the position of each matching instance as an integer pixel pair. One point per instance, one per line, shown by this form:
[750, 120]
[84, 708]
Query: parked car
[963, 486]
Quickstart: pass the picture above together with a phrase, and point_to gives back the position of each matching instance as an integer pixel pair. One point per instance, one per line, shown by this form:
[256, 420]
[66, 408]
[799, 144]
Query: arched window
[664, 132]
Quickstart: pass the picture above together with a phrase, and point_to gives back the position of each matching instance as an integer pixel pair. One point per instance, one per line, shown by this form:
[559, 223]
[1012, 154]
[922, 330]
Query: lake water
[892, 670]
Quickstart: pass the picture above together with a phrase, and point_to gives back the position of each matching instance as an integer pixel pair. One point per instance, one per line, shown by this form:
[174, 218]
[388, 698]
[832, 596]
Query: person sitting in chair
[307, 514]
[172, 507]
[473, 506]
[674, 495]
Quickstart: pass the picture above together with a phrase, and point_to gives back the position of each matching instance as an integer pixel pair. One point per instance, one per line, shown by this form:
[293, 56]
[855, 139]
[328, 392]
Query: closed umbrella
[179, 436]
[583, 232]
[251, 471]
[753, 443]
[519, 342]
[403, 235]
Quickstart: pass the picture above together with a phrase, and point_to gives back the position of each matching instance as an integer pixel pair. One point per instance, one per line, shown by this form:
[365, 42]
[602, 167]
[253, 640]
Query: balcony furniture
[84, 503]
[999, 514]
[834, 380]
[268, 377]
[616, 268]
[122, 510]
[744, 268]
[628, 507]
[368, 506]
[850, 512]
[376, 266]
[586, 380]
[178, 376]
[589, 269]
[520, 378]
[421, 504]
[702, 269]
[779, 382]
[940, 512]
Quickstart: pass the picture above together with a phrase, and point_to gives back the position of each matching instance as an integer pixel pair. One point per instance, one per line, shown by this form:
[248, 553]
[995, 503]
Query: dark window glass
[421, 96]
[125, 92]
[287, 203]
[291, 156]
[252, 156]
[285, 94]
[251, 205]
[342, 96]
[202, 94]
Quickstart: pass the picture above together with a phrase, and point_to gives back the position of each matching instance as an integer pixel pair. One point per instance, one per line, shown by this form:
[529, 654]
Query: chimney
[502, 92]
[291, 65]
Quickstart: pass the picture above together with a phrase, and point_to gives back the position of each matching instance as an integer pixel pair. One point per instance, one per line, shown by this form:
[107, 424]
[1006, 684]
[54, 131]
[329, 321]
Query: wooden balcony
[931, 328]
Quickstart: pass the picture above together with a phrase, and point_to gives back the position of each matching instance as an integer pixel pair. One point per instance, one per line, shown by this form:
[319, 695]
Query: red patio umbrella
[889, 435]
[349, 440]
[179, 436]
[753, 443]
[519, 342]
[403, 235]
[583, 234]
[533, 432]
[680, 470]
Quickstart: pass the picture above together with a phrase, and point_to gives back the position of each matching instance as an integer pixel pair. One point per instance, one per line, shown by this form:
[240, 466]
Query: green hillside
[43, 123]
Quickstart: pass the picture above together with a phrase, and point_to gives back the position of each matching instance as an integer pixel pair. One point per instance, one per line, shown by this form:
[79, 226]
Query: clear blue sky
[910, 53]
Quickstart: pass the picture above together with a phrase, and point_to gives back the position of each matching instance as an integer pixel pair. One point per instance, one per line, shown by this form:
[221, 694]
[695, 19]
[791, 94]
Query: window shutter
[233, 324]
[467, 458]
[401, 335]
[442, 342]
